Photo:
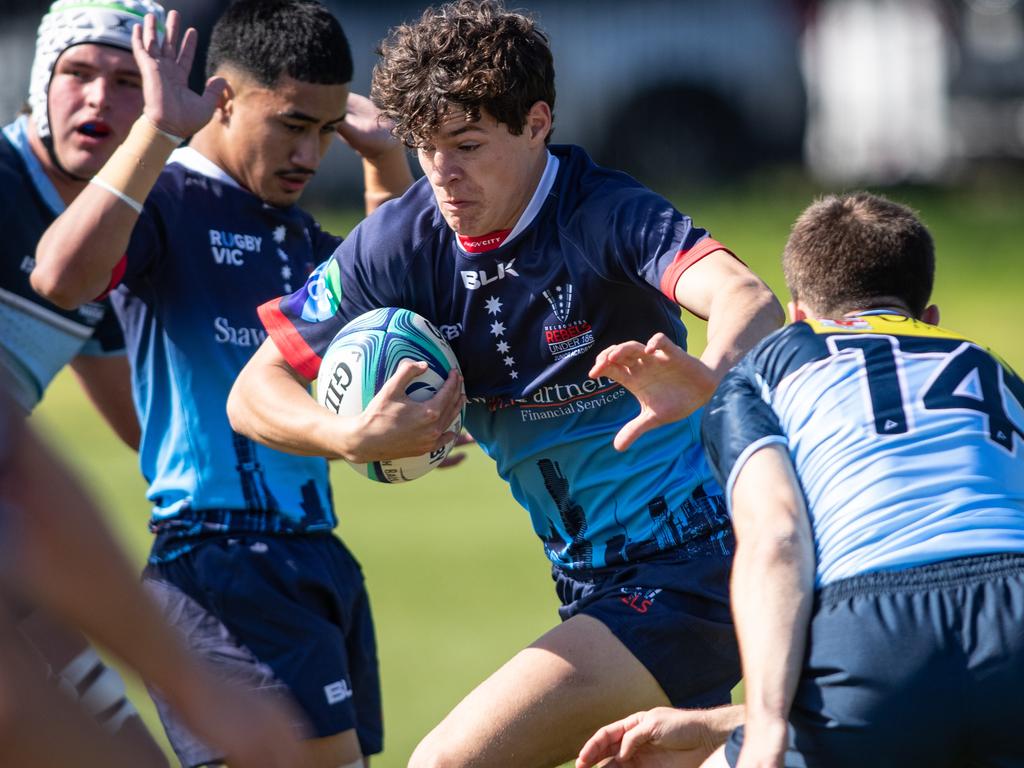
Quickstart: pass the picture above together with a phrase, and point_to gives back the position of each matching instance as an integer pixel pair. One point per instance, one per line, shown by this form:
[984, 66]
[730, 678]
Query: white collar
[547, 181]
[195, 161]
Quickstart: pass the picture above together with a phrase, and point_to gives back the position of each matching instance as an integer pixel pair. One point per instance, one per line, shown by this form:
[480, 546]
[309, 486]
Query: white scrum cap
[73, 22]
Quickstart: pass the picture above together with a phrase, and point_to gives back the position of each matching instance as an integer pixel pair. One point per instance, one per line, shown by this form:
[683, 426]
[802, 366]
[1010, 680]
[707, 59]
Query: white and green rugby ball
[364, 355]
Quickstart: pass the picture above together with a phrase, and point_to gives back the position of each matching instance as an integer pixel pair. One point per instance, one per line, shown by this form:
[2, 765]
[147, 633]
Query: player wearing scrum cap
[84, 95]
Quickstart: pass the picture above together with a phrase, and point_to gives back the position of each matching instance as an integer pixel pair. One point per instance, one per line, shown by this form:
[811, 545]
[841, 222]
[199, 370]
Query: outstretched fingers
[172, 32]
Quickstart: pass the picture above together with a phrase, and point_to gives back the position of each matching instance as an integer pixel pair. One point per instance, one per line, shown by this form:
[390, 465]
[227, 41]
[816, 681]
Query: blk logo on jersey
[565, 339]
[478, 279]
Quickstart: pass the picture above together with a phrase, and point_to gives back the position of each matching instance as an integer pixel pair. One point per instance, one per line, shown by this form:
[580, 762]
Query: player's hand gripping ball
[365, 354]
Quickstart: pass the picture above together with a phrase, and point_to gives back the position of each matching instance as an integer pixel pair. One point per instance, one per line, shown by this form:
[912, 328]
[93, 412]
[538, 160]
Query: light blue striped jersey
[906, 438]
[37, 338]
[203, 255]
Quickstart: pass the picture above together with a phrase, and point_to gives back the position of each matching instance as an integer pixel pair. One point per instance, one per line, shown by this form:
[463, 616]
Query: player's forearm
[385, 177]
[772, 583]
[107, 383]
[771, 597]
[77, 254]
[742, 313]
[270, 405]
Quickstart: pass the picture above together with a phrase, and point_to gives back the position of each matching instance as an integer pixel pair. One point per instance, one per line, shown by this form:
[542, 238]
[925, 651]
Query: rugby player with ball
[531, 259]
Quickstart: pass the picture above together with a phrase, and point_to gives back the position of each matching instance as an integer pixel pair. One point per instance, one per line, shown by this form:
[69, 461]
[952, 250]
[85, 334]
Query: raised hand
[169, 103]
[669, 383]
[658, 738]
[365, 131]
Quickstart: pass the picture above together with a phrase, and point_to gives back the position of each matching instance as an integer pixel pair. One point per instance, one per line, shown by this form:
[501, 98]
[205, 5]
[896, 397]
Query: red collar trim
[484, 243]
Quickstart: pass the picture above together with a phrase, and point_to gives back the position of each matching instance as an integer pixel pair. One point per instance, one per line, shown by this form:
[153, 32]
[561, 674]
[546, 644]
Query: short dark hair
[847, 252]
[270, 38]
[469, 55]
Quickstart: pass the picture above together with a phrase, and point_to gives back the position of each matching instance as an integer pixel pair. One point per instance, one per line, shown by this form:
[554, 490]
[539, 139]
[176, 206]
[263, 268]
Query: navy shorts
[923, 666]
[278, 610]
[671, 613]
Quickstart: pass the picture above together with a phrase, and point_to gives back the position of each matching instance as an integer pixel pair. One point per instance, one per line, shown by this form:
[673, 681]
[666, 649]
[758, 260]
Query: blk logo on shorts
[337, 691]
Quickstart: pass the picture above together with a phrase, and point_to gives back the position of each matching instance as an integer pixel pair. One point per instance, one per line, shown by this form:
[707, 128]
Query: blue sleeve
[736, 422]
[358, 276]
[650, 241]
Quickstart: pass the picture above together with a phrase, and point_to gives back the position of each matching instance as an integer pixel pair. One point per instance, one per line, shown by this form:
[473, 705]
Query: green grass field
[458, 581]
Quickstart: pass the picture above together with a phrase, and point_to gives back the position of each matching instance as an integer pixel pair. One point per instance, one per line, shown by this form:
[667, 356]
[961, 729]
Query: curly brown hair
[469, 55]
[847, 252]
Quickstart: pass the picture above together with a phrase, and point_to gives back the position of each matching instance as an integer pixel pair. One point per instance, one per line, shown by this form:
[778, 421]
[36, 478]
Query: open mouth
[94, 130]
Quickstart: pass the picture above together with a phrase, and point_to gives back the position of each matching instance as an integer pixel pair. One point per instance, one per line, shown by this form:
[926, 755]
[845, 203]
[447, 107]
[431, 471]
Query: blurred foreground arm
[63, 558]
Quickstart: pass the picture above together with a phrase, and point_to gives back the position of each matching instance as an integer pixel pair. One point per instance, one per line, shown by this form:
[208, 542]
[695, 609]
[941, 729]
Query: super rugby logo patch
[564, 338]
[323, 291]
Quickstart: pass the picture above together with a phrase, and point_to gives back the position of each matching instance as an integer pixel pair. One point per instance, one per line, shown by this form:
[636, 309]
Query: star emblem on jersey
[564, 338]
[494, 306]
[279, 234]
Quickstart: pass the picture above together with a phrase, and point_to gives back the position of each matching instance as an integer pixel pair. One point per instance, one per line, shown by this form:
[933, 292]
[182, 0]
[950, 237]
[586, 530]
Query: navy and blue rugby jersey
[37, 338]
[204, 254]
[593, 261]
[908, 439]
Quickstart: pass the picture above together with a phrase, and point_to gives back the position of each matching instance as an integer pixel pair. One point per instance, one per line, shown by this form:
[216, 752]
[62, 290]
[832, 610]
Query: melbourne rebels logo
[564, 338]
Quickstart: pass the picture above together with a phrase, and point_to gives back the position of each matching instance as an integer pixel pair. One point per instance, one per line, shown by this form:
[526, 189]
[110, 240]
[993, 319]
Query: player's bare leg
[540, 707]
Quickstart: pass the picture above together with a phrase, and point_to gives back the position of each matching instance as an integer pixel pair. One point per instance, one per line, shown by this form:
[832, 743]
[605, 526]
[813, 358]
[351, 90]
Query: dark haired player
[244, 558]
[874, 466]
[531, 259]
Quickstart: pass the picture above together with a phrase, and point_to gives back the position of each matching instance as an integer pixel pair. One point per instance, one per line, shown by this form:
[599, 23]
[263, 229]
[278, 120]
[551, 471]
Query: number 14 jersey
[908, 439]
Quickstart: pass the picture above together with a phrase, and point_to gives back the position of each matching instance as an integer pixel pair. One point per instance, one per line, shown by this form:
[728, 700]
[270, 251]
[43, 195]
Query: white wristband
[170, 136]
[133, 204]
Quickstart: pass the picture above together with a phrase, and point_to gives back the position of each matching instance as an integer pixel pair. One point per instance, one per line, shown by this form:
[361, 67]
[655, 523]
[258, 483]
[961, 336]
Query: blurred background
[739, 111]
[685, 93]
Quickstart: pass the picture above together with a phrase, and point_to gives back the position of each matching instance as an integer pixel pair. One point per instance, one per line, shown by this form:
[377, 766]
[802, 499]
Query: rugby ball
[364, 355]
